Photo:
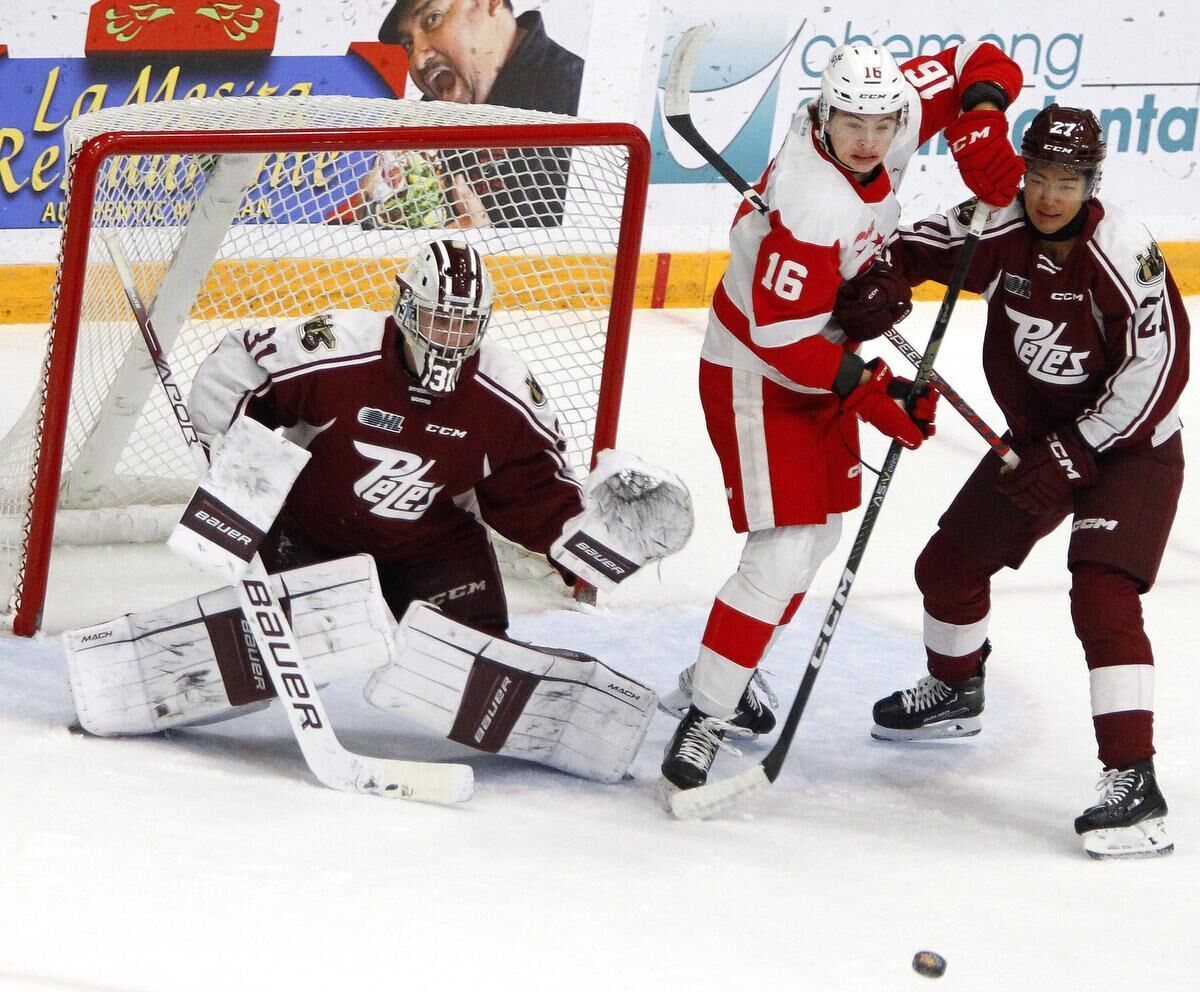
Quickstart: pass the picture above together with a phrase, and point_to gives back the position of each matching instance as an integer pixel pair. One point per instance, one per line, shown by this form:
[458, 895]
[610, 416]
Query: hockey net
[241, 212]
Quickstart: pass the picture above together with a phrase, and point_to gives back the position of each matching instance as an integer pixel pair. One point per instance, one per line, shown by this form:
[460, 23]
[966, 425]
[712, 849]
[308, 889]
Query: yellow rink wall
[665, 279]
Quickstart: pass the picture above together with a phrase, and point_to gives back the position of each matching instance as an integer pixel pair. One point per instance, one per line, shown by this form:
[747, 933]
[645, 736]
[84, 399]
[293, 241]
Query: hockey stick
[978, 424]
[677, 108]
[329, 761]
[714, 797]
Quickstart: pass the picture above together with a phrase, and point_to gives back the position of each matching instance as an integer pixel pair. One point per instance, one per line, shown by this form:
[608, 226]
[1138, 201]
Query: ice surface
[211, 859]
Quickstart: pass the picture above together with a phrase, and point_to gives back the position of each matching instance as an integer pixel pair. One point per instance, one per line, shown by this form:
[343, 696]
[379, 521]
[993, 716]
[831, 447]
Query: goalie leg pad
[196, 661]
[556, 707]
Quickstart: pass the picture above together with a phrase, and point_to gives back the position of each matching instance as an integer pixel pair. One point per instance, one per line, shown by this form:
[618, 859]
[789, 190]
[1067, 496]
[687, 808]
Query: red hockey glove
[872, 302]
[880, 402]
[1050, 469]
[986, 160]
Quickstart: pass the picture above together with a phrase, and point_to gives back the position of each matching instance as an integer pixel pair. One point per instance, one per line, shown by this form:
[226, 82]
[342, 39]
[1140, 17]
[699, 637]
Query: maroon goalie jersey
[395, 469]
[1101, 339]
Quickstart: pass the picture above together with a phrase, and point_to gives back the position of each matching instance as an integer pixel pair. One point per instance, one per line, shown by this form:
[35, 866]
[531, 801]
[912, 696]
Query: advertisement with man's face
[110, 53]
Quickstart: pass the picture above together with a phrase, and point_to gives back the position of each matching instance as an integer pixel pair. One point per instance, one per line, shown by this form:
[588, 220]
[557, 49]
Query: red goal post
[245, 210]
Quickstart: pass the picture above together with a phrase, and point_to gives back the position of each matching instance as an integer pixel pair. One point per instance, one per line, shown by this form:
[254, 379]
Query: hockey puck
[929, 963]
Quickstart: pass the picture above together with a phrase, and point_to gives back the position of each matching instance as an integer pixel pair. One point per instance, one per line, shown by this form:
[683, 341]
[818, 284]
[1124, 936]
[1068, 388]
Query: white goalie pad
[558, 708]
[634, 512]
[251, 472]
[195, 661]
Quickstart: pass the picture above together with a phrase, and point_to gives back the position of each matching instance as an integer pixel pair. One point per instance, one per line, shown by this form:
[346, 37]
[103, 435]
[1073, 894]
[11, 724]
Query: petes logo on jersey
[396, 487]
[1036, 343]
[372, 417]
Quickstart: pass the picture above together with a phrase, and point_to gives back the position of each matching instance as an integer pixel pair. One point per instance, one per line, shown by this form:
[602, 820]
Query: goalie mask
[862, 79]
[442, 307]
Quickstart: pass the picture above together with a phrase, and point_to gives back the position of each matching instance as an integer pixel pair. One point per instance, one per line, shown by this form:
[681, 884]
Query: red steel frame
[34, 572]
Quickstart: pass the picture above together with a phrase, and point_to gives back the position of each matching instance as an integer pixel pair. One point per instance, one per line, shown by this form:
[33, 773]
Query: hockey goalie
[361, 454]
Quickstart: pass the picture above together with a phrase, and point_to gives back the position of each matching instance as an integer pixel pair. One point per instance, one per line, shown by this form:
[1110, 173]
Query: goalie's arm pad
[634, 512]
[251, 472]
[556, 707]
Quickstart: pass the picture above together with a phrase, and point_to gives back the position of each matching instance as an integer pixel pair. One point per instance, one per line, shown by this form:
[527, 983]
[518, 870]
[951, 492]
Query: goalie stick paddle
[331, 763]
[677, 109]
[714, 797]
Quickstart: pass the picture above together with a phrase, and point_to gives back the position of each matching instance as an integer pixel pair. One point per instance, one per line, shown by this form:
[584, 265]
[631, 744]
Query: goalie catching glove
[556, 707]
[634, 512]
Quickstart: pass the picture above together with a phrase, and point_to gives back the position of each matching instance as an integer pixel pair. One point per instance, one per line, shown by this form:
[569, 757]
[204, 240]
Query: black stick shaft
[773, 762]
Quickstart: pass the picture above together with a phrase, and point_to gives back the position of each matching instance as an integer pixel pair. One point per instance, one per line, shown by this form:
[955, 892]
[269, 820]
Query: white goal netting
[249, 211]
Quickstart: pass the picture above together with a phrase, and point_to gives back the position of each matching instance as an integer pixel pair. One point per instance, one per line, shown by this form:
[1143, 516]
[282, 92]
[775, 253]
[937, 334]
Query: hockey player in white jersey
[781, 385]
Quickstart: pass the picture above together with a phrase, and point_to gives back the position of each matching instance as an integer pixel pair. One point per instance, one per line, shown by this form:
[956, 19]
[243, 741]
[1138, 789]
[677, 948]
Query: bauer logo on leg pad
[493, 699]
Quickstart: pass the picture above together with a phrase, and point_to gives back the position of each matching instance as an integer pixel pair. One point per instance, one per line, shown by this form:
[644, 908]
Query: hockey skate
[753, 715]
[932, 709]
[1130, 820]
[690, 753]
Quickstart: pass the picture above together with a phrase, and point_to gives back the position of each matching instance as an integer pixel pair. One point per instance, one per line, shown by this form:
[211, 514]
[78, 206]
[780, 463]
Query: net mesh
[284, 226]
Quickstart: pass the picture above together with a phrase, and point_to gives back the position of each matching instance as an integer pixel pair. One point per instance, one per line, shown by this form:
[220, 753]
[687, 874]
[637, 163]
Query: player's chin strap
[634, 512]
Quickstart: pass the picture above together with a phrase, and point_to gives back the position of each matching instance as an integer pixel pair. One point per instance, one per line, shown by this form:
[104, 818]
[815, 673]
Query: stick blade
[391, 779]
[716, 797]
[677, 95]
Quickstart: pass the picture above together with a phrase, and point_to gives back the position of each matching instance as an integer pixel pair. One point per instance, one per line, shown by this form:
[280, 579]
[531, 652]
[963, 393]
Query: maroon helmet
[1065, 136]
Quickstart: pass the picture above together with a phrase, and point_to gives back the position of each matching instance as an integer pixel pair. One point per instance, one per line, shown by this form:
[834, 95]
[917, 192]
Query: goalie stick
[331, 763]
[714, 797]
[677, 109]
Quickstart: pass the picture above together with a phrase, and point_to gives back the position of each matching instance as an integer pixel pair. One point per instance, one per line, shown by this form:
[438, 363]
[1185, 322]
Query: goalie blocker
[196, 662]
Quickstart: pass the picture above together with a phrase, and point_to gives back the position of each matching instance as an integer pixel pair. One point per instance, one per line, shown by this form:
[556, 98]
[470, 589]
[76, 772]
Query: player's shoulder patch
[319, 341]
[965, 211]
[506, 374]
[1130, 248]
[1151, 264]
[537, 395]
[318, 332]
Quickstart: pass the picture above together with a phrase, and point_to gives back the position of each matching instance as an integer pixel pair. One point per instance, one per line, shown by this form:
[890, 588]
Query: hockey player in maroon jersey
[403, 431]
[1086, 353]
[780, 382]
[413, 419]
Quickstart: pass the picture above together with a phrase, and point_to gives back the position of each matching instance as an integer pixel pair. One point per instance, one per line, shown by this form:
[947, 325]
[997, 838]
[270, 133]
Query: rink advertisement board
[61, 58]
